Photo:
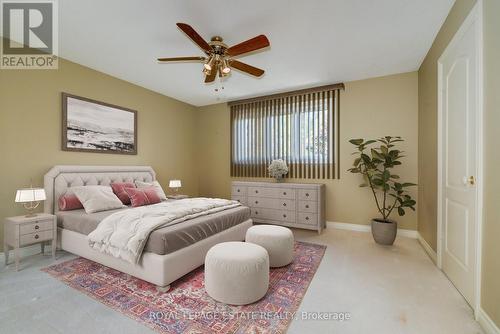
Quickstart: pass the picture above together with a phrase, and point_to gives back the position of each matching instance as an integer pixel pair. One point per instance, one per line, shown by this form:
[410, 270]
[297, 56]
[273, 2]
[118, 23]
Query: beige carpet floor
[382, 289]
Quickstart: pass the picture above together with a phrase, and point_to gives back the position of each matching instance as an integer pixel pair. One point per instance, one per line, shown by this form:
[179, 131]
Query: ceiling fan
[219, 57]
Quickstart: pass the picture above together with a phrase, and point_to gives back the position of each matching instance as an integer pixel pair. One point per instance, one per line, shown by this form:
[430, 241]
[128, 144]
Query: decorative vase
[384, 232]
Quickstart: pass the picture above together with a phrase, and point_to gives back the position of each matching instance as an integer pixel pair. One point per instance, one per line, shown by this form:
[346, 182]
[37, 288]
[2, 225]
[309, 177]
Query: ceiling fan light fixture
[209, 64]
[225, 69]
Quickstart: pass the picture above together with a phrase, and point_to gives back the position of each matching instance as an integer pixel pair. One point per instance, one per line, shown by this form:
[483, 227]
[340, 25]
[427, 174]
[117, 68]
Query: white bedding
[124, 233]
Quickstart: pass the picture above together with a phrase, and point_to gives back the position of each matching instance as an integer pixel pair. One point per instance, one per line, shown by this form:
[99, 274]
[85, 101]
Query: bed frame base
[160, 270]
[164, 288]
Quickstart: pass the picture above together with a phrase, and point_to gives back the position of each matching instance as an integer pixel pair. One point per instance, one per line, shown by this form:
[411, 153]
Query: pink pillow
[119, 190]
[142, 196]
[69, 202]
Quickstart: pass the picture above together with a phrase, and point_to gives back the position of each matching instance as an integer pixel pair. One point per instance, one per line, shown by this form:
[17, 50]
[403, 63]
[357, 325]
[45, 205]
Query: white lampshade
[175, 184]
[30, 195]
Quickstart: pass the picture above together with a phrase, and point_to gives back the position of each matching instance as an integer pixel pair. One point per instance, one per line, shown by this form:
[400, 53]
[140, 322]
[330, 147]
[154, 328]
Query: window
[298, 127]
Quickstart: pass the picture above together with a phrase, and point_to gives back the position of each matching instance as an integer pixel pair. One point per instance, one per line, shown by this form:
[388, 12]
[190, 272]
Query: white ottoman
[277, 240]
[236, 272]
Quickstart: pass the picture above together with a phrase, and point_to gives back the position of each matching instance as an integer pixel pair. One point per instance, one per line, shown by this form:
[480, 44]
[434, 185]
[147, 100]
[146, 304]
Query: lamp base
[31, 206]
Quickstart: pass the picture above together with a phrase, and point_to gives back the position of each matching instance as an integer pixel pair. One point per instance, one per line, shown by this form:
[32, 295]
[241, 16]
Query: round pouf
[236, 273]
[277, 240]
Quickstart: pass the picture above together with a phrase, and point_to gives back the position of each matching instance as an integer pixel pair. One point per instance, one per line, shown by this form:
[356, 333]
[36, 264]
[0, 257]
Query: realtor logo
[29, 30]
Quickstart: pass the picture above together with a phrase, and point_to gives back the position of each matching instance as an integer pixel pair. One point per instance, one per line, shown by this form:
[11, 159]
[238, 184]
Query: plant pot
[384, 232]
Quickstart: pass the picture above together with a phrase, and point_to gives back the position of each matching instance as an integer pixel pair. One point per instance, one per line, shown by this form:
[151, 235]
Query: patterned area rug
[186, 307]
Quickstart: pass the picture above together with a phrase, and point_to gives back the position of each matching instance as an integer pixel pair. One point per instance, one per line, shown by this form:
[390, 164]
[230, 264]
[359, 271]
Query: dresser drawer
[36, 227]
[271, 214]
[308, 206]
[241, 199]
[308, 194]
[307, 218]
[238, 190]
[287, 193]
[27, 239]
[271, 203]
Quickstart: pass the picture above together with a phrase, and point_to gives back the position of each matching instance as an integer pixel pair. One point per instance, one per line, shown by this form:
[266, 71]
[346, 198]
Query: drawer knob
[284, 193]
[256, 202]
[37, 227]
[256, 212]
[284, 216]
[307, 218]
[256, 191]
[284, 204]
[307, 206]
[36, 236]
[238, 190]
[307, 194]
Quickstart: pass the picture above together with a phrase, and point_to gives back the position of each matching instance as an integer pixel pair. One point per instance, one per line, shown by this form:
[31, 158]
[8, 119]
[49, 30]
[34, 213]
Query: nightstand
[177, 196]
[23, 231]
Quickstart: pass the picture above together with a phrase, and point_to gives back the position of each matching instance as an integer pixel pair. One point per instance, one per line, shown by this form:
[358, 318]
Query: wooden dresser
[299, 205]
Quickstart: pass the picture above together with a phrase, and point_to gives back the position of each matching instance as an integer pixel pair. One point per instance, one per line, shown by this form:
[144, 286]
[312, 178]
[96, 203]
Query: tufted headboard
[60, 178]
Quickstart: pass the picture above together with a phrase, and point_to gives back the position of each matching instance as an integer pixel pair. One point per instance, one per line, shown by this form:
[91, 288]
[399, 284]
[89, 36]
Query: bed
[170, 252]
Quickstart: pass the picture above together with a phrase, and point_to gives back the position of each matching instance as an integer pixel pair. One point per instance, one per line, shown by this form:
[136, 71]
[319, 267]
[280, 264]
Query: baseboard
[366, 228]
[428, 249]
[486, 323]
[348, 226]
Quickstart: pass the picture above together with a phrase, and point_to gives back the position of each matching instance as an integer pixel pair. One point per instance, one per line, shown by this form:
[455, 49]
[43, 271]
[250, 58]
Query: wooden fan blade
[246, 68]
[182, 59]
[195, 37]
[253, 44]
[211, 76]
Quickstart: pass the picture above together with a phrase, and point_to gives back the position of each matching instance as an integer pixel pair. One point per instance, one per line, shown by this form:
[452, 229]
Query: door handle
[471, 180]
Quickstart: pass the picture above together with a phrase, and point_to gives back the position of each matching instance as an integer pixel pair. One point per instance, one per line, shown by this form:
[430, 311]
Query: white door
[459, 83]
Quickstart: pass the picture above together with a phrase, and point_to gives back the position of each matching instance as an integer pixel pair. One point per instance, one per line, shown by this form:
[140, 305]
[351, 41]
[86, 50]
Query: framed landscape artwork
[93, 126]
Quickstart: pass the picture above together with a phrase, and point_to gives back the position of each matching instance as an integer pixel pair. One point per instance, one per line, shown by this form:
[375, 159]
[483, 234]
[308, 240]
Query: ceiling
[312, 42]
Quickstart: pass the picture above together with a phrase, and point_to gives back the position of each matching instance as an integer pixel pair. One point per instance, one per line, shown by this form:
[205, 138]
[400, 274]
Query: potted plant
[375, 160]
[278, 169]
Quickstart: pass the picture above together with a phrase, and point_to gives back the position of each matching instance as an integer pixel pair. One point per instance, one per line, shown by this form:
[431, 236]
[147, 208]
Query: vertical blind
[298, 127]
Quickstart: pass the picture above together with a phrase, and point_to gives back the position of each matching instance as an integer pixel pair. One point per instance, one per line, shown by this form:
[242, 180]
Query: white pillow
[156, 185]
[97, 198]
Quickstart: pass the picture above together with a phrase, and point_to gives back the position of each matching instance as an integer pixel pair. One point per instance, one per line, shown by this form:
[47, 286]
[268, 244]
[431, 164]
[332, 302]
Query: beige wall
[491, 229]
[368, 108]
[30, 128]
[427, 123]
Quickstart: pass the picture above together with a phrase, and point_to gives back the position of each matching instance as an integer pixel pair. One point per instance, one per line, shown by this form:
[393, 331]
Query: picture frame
[93, 126]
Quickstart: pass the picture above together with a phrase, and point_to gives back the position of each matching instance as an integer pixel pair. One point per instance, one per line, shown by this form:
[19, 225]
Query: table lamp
[175, 184]
[30, 197]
